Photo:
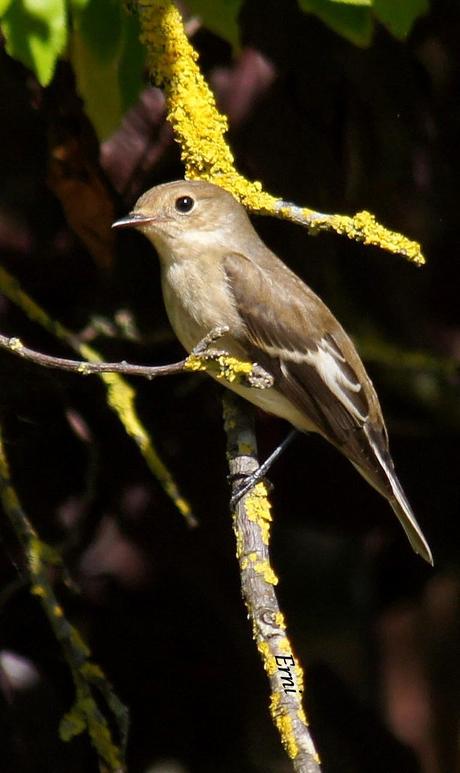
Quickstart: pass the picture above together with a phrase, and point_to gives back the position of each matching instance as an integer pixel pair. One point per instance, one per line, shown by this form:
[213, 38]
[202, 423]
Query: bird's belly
[272, 401]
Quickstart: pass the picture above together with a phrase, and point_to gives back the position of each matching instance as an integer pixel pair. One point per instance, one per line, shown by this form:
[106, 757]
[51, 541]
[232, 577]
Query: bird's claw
[245, 485]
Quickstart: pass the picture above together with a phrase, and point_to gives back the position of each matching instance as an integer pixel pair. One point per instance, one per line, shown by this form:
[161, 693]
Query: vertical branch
[251, 523]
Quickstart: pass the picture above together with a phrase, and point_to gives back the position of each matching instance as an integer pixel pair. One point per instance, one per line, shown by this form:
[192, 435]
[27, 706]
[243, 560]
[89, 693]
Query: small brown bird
[217, 271]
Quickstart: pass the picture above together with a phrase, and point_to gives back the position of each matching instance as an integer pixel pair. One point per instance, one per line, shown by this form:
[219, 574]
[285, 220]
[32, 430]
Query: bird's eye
[184, 204]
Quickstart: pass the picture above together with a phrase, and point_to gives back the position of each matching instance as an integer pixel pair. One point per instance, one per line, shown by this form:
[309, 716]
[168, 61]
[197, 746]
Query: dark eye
[184, 204]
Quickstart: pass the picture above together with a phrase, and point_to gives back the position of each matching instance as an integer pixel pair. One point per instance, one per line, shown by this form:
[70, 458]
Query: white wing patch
[332, 367]
[328, 364]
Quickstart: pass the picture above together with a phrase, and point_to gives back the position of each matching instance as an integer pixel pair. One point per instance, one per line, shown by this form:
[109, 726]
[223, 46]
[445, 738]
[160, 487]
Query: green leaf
[399, 17]
[354, 2]
[220, 17]
[77, 6]
[351, 21]
[4, 4]
[109, 73]
[132, 62]
[35, 33]
[99, 23]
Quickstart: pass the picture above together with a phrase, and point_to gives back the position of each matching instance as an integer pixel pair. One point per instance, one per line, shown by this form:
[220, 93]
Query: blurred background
[329, 125]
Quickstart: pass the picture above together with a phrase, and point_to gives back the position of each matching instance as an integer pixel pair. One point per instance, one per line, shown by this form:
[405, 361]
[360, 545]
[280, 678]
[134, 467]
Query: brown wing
[293, 334]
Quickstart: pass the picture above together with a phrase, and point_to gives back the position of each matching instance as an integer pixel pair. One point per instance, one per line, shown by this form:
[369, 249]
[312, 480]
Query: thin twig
[120, 396]
[251, 523]
[85, 368]
[202, 358]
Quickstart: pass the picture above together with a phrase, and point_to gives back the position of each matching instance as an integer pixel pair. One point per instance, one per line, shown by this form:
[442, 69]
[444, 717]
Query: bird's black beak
[132, 220]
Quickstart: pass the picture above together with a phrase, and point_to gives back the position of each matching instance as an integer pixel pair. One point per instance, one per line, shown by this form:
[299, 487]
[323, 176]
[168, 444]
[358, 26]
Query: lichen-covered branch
[200, 130]
[251, 523]
[88, 677]
[216, 362]
[120, 395]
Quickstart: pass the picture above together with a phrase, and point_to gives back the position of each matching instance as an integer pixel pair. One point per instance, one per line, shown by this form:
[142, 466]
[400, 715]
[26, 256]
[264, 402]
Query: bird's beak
[132, 220]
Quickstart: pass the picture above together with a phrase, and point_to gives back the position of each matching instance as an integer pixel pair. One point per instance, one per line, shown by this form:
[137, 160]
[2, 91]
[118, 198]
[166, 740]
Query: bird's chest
[197, 299]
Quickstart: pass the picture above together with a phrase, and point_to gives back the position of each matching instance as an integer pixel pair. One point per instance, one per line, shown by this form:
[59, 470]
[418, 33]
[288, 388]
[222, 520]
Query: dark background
[327, 125]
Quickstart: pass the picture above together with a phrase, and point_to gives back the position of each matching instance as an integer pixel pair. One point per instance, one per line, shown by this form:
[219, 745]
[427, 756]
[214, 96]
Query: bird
[216, 271]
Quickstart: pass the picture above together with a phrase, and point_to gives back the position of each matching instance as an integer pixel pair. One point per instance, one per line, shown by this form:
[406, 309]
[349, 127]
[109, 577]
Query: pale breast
[197, 300]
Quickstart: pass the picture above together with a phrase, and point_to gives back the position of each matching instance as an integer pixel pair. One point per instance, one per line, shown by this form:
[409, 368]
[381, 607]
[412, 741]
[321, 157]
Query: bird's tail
[409, 523]
[398, 501]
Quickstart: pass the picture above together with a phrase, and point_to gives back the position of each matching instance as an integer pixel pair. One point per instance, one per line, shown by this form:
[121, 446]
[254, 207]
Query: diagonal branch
[201, 130]
[89, 680]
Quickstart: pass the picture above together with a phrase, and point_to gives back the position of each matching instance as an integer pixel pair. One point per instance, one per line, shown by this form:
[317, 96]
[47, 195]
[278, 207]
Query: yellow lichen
[279, 621]
[9, 495]
[200, 130]
[268, 659]
[299, 674]
[92, 671]
[264, 568]
[221, 367]
[286, 730]
[15, 344]
[232, 369]
[285, 646]
[364, 227]
[302, 717]
[199, 127]
[57, 610]
[195, 363]
[258, 510]
[78, 643]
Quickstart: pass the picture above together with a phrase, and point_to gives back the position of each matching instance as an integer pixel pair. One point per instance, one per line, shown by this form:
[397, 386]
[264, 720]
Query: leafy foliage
[103, 45]
[220, 17]
[35, 33]
[355, 19]
[102, 41]
[399, 17]
[351, 20]
[107, 59]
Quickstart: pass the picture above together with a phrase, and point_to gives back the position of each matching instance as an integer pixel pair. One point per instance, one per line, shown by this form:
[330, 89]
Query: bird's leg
[250, 481]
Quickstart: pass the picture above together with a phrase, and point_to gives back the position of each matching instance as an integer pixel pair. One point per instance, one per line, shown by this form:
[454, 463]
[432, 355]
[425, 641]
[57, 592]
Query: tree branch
[85, 368]
[217, 362]
[201, 129]
[251, 523]
[89, 680]
[120, 396]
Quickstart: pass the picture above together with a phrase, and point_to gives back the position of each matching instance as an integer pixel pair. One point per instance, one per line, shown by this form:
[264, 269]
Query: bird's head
[188, 217]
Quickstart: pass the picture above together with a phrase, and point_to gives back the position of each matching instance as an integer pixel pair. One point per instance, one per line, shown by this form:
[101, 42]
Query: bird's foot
[243, 484]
